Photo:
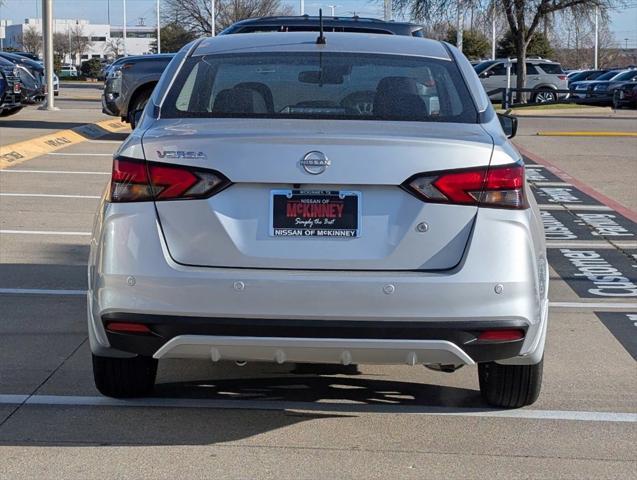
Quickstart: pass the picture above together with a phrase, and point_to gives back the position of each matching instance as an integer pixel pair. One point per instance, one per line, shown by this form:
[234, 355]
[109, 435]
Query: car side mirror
[509, 124]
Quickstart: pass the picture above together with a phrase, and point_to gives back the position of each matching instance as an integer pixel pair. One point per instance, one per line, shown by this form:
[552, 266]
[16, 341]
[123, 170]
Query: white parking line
[597, 305]
[573, 206]
[40, 291]
[46, 195]
[63, 172]
[86, 401]
[41, 232]
[80, 154]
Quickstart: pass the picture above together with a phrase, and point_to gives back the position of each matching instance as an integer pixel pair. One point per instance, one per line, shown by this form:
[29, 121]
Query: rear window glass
[552, 68]
[344, 86]
[307, 28]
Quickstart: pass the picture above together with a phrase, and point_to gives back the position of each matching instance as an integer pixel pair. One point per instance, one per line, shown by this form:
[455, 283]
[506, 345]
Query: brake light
[136, 180]
[562, 77]
[498, 187]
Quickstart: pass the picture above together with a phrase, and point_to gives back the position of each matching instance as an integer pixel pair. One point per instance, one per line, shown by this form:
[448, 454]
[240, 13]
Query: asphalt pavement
[267, 421]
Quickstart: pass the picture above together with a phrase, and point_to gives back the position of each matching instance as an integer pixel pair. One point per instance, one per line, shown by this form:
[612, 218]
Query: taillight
[140, 181]
[498, 187]
[562, 77]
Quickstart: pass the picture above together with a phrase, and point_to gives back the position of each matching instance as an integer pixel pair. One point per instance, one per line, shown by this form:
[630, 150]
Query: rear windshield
[307, 28]
[345, 86]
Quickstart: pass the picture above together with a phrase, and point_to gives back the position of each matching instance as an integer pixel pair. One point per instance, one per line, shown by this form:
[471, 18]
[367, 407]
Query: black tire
[510, 386]
[138, 103]
[124, 377]
[10, 111]
[544, 95]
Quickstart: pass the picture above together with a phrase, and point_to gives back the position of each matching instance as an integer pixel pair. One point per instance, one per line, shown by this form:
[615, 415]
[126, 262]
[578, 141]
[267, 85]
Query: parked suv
[286, 200]
[543, 76]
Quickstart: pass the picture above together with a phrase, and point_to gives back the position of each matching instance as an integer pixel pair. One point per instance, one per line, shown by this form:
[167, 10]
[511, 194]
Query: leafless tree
[61, 46]
[31, 40]
[80, 42]
[114, 47]
[523, 17]
[195, 15]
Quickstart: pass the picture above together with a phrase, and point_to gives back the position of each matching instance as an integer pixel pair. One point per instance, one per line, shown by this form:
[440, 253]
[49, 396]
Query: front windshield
[341, 86]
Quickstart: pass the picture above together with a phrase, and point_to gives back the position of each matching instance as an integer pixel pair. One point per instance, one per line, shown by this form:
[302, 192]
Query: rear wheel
[544, 95]
[510, 386]
[124, 377]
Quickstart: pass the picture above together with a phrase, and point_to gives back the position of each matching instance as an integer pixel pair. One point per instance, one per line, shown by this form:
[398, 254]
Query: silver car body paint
[214, 257]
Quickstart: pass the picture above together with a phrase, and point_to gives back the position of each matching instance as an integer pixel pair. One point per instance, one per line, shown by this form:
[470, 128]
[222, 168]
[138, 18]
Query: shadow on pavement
[40, 124]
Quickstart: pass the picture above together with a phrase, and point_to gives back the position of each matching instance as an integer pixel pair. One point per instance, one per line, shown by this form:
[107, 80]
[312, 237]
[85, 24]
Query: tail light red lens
[136, 180]
[126, 327]
[497, 187]
[505, 335]
[562, 77]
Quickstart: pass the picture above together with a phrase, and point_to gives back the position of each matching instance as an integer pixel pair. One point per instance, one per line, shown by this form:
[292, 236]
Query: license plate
[314, 213]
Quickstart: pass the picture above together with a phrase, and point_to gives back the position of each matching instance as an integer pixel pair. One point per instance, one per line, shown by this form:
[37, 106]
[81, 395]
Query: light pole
[493, 31]
[158, 30]
[333, 7]
[302, 7]
[212, 18]
[47, 33]
[596, 37]
[387, 10]
[460, 24]
[124, 31]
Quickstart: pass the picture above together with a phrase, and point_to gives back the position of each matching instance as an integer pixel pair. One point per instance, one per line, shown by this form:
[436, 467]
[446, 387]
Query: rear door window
[552, 68]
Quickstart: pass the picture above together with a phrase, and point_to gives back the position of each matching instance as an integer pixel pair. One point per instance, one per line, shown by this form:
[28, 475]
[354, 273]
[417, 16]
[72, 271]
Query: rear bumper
[322, 341]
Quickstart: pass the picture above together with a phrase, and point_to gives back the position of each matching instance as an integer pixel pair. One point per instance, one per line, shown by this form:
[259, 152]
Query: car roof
[346, 22]
[335, 42]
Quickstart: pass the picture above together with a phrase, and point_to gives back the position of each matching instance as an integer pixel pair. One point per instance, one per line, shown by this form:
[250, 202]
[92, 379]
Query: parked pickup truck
[129, 84]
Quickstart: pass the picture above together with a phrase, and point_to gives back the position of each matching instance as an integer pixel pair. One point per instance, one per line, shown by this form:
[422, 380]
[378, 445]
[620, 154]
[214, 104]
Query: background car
[68, 71]
[579, 89]
[603, 90]
[130, 83]
[585, 75]
[11, 100]
[625, 95]
[31, 75]
[307, 23]
[543, 76]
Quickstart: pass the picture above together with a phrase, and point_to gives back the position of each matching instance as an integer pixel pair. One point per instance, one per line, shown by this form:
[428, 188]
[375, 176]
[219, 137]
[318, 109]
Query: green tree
[173, 37]
[91, 68]
[474, 44]
[539, 46]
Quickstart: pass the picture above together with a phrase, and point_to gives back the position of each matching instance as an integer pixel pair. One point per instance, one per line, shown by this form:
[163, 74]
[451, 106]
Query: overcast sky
[624, 22]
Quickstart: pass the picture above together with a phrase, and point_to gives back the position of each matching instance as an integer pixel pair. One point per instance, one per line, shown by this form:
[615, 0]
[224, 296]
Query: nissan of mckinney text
[347, 199]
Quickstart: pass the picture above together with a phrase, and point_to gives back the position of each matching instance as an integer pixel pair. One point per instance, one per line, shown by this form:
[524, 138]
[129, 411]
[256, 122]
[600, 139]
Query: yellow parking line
[16, 153]
[586, 134]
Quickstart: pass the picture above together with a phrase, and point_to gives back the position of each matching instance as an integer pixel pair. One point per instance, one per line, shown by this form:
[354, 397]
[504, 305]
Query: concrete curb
[16, 153]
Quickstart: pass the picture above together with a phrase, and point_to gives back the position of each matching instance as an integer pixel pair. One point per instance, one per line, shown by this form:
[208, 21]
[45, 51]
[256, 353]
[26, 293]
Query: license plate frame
[347, 225]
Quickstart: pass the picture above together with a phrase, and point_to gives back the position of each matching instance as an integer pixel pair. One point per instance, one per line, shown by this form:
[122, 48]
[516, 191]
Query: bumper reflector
[501, 335]
[125, 327]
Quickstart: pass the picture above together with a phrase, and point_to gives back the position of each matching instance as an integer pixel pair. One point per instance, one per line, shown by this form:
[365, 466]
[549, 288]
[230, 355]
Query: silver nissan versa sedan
[346, 199]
